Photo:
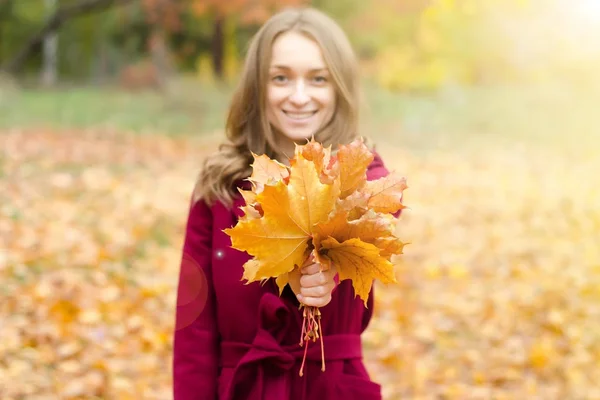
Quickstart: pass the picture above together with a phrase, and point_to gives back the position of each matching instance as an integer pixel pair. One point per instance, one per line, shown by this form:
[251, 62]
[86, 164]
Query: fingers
[317, 279]
[311, 268]
[316, 285]
[315, 301]
[318, 291]
[308, 261]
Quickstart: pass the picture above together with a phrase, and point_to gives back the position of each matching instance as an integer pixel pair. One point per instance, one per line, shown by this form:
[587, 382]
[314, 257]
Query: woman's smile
[300, 116]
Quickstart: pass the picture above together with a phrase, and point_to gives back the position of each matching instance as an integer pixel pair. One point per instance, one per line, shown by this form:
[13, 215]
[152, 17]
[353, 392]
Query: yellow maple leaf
[310, 200]
[360, 262]
[389, 246]
[281, 236]
[276, 239]
[251, 268]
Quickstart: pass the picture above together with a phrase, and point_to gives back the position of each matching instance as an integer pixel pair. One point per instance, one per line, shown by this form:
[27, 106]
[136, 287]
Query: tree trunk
[50, 45]
[160, 57]
[218, 46]
[53, 23]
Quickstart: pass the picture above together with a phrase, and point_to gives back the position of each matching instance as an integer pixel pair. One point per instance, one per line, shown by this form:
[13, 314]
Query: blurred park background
[488, 107]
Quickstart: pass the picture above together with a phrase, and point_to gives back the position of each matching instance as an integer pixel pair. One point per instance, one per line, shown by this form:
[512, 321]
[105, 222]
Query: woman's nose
[300, 96]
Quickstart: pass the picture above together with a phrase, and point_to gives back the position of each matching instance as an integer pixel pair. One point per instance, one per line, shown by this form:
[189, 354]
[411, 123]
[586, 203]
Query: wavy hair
[247, 128]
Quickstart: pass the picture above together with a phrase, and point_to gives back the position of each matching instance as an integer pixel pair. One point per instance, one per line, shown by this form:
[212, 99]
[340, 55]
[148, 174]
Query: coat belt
[250, 359]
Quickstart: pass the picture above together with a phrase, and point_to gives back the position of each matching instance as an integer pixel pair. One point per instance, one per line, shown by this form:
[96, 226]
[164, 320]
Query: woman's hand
[316, 285]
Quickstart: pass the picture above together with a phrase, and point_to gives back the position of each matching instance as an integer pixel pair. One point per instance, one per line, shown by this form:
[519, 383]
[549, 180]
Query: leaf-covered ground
[499, 293]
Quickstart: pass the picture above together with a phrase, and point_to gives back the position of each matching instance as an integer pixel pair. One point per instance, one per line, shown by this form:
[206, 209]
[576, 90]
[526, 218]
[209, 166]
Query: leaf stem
[311, 329]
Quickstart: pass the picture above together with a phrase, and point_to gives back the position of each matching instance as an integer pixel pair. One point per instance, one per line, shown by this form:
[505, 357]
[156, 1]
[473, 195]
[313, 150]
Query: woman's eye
[279, 79]
[320, 79]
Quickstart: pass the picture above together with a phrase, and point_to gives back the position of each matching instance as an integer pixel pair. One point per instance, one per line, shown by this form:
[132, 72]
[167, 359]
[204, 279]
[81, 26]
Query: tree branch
[53, 23]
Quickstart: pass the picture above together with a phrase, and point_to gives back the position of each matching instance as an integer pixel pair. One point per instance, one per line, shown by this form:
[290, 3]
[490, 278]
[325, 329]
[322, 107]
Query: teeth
[299, 115]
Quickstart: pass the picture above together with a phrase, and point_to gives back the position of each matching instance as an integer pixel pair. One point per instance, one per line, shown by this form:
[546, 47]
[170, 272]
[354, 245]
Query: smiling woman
[300, 98]
[299, 80]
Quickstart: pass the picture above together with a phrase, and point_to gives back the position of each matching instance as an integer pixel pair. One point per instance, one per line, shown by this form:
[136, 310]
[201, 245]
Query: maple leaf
[292, 278]
[389, 246]
[266, 171]
[360, 262]
[248, 195]
[385, 194]
[315, 152]
[311, 200]
[325, 164]
[355, 204]
[353, 160]
[251, 212]
[275, 239]
[251, 267]
[290, 212]
[252, 209]
[371, 227]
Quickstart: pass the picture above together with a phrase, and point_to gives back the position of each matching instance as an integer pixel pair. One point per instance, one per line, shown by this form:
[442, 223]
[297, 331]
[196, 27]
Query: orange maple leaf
[266, 171]
[371, 227]
[353, 160]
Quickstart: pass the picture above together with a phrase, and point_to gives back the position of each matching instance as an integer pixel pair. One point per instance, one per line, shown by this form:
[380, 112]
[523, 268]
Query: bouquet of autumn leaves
[321, 206]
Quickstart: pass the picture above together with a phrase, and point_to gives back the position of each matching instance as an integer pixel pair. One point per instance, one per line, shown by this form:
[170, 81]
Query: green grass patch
[180, 111]
[556, 114]
[551, 115]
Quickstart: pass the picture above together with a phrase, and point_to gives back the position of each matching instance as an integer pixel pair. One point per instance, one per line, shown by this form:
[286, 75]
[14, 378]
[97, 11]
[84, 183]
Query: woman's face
[300, 94]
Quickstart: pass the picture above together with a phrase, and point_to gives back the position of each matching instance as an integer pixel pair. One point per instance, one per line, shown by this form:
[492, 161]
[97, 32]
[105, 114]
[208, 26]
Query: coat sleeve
[368, 313]
[196, 339]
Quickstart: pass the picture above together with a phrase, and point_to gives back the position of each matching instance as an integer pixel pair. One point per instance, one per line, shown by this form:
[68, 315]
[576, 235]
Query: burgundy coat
[236, 341]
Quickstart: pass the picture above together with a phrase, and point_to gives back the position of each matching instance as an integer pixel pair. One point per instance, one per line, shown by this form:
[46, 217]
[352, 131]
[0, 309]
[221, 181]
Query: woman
[239, 341]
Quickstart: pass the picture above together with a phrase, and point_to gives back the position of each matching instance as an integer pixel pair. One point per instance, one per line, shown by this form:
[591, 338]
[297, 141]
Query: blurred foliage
[428, 45]
[88, 262]
[417, 45]
[98, 45]
[498, 294]
[500, 288]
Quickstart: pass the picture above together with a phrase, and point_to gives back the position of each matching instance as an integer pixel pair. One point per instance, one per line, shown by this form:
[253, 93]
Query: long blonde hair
[248, 129]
